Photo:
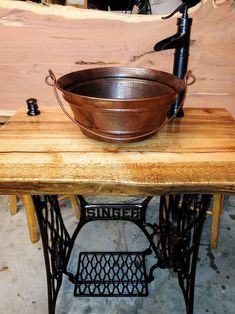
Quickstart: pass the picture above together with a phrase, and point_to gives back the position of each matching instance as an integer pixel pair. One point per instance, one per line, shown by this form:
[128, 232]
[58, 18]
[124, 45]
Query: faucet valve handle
[183, 8]
[179, 9]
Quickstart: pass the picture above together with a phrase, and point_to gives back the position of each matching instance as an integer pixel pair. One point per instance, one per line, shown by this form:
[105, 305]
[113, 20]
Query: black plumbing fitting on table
[33, 109]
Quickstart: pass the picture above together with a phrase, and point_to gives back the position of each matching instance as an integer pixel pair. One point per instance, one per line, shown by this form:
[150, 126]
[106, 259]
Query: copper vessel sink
[118, 104]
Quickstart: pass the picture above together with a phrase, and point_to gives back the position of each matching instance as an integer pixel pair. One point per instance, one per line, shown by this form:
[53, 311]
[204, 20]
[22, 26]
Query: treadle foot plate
[111, 274]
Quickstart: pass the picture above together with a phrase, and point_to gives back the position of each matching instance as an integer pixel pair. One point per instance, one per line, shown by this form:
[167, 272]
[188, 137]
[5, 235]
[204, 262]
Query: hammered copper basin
[119, 104]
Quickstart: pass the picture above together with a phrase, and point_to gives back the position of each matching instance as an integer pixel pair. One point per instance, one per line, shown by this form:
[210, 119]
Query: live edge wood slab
[49, 154]
[36, 38]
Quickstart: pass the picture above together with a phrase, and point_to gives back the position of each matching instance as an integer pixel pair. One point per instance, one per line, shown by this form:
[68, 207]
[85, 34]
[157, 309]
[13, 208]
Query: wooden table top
[49, 154]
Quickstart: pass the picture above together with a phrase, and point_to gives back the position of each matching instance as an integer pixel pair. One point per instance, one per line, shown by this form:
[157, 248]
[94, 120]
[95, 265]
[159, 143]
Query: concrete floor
[23, 281]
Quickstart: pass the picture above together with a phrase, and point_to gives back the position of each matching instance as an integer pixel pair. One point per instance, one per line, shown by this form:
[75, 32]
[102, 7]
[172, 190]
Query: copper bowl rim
[182, 82]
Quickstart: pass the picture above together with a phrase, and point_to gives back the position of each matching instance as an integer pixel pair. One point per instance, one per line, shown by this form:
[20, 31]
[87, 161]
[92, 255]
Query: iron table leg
[178, 235]
[55, 240]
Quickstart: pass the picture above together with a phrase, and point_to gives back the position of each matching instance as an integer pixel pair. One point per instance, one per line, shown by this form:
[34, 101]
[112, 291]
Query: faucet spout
[176, 41]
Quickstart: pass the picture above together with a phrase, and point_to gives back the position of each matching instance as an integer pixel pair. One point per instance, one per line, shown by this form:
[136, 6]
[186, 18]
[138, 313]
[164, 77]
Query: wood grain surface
[49, 154]
[36, 38]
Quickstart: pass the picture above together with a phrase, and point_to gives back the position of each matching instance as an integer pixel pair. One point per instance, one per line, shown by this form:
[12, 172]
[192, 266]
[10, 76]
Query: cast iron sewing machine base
[174, 240]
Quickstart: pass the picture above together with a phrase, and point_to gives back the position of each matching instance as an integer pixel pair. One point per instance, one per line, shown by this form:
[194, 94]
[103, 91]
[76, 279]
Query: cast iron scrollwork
[174, 238]
[177, 239]
[56, 241]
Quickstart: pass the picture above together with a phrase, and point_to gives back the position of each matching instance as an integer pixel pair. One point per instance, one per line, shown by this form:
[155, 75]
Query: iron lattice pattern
[111, 274]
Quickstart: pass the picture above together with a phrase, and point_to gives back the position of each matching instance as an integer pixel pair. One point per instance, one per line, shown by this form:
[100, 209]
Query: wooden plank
[48, 153]
[75, 173]
[194, 136]
[69, 39]
[77, 3]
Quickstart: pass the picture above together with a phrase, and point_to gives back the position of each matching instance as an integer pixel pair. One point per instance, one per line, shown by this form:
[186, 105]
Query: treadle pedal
[111, 274]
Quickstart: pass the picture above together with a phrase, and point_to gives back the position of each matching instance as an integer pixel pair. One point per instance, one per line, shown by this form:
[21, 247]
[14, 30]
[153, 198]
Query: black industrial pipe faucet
[180, 42]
